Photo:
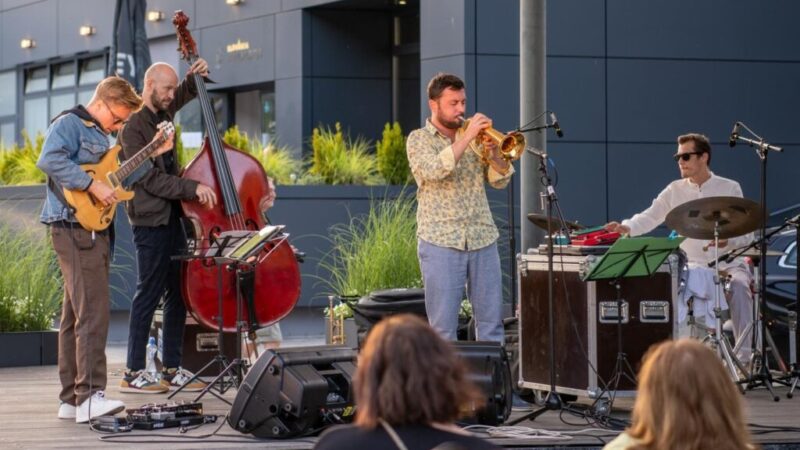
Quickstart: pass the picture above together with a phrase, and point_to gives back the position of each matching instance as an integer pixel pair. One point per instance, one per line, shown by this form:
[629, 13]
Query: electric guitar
[89, 211]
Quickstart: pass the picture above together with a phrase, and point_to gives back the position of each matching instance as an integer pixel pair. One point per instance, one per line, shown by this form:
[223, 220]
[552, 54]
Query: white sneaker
[100, 405]
[66, 411]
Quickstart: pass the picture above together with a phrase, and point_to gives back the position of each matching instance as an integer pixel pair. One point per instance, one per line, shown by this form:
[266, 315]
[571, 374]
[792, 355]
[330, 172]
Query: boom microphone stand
[762, 377]
[553, 401]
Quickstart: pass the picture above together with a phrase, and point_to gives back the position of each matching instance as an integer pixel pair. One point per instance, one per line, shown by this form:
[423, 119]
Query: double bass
[241, 185]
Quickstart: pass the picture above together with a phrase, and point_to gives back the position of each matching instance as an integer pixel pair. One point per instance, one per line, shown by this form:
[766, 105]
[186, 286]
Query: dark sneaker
[172, 379]
[141, 383]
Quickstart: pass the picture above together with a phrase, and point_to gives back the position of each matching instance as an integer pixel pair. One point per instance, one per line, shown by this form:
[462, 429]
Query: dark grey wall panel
[253, 65]
[581, 177]
[293, 111]
[656, 100]
[292, 34]
[636, 174]
[576, 27]
[10, 4]
[168, 7]
[498, 90]
[333, 100]
[576, 92]
[730, 29]
[210, 13]
[16, 25]
[446, 28]
[72, 14]
[350, 44]
[497, 27]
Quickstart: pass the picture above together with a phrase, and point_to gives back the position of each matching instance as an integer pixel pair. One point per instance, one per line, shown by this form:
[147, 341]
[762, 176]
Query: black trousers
[159, 277]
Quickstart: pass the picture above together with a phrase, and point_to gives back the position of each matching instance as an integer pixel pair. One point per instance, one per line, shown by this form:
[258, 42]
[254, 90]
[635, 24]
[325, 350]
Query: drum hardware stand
[236, 368]
[762, 377]
[550, 200]
[718, 340]
[627, 258]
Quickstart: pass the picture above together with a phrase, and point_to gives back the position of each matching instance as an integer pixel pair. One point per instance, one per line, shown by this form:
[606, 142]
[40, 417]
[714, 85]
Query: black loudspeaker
[295, 391]
[489, 370]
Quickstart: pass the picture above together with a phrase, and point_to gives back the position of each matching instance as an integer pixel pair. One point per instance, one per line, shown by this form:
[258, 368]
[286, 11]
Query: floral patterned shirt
[452, 209]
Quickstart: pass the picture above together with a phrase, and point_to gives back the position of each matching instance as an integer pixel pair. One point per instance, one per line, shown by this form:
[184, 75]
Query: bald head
[160, 83]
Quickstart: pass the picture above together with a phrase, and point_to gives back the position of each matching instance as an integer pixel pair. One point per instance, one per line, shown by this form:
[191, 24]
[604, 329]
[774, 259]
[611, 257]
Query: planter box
[29, 348]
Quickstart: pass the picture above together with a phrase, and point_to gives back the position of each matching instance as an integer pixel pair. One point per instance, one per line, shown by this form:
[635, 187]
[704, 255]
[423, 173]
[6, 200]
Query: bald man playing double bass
[154, 214]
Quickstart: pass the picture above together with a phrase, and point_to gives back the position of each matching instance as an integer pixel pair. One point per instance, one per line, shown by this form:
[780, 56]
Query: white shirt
[677, 193]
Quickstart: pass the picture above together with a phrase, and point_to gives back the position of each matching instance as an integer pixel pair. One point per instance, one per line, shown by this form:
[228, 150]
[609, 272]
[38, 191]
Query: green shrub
[392, 159]
[18, 164]
[30, 281]
[239, 140]
[336, 160]
[374, 251]
[279, 164]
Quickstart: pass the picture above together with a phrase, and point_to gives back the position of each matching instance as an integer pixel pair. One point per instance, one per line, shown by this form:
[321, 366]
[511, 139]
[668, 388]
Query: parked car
[781, 285]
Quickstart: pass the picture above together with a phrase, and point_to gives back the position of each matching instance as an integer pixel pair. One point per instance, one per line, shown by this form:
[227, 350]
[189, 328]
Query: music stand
[628, 258]
[231, 251]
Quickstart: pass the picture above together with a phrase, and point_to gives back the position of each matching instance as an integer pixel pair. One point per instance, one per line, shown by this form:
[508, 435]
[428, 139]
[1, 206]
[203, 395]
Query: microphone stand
[762, 377]
[553, 401]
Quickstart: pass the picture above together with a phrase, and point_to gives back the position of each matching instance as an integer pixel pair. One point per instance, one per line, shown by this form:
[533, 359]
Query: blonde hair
[118, 91]
[408, 374]
[687, 400]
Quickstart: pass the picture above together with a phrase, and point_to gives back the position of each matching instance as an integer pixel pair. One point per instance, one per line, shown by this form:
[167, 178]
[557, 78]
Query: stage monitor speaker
[489, 370]
[295, 391]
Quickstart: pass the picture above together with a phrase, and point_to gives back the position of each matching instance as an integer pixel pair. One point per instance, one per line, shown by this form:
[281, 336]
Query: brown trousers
[84, 261]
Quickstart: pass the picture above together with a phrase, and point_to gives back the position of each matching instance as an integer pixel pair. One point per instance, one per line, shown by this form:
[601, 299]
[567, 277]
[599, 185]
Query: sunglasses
[117, 120]
[685, 156]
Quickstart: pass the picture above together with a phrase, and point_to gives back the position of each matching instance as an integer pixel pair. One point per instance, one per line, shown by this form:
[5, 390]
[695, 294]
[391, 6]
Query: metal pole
[532, 88]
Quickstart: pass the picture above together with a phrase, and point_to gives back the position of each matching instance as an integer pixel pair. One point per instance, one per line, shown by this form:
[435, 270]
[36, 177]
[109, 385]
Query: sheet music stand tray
[627, 258]
[230, 251]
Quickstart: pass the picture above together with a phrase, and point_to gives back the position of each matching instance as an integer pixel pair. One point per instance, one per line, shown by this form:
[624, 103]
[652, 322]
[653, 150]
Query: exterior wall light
[155, 16]
[27, 43]
[234, 2]
[87, 30]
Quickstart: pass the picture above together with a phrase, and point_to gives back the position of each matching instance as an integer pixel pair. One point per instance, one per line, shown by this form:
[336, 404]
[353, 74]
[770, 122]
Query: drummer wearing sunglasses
[698, 181]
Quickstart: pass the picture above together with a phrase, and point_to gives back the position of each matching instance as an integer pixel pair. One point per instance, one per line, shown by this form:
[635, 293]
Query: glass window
[85, 96]
[36, 80]
[190, 119]
[35, 110]
[8, 93]
[63, 75]
[219, 103]
[267, 116]
[92, 70]
[59, 103]
[7, 135]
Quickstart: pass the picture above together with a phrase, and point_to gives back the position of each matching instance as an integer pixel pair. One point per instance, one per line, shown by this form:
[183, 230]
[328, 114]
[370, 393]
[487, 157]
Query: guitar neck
[139, 158]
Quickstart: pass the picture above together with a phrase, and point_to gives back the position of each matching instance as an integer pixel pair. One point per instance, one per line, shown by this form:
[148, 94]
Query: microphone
[725, 257]
[734, 135]
[555, 125]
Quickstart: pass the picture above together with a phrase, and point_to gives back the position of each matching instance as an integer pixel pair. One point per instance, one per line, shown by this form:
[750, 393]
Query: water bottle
[150, 367]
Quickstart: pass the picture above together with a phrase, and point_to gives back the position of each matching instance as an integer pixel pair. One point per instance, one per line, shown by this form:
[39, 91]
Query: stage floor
[29, 402]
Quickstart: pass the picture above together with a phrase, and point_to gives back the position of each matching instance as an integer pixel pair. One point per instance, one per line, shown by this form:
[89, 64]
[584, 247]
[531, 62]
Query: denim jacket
[69, 141]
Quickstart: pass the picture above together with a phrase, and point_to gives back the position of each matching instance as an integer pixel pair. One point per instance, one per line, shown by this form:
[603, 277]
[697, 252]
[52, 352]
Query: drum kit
[718, 218]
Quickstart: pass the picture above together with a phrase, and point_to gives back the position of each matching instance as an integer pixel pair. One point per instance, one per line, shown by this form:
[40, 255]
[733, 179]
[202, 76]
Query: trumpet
[511, 145]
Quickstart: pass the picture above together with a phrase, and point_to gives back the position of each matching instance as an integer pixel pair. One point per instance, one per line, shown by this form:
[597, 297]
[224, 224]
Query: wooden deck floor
[30, 401]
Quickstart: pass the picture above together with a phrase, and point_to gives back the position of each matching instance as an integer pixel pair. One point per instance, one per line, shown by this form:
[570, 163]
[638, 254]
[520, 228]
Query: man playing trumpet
[457, 237]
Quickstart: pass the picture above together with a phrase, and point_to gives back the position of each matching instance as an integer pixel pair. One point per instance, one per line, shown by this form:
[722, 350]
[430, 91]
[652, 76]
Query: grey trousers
[446, 272]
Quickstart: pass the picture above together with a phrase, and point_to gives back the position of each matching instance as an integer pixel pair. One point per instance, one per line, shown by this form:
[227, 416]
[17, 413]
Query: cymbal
[540, 220]
[695, 219]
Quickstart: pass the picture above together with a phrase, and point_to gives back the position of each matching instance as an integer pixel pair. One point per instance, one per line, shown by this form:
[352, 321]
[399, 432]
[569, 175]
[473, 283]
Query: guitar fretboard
[133, 163]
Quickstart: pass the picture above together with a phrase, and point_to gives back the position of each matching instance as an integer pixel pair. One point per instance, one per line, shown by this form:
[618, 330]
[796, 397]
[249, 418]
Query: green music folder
[633, 257]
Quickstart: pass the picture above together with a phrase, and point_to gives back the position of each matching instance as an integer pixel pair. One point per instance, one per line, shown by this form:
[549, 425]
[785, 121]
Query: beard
[160, 103]
[449, 124]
